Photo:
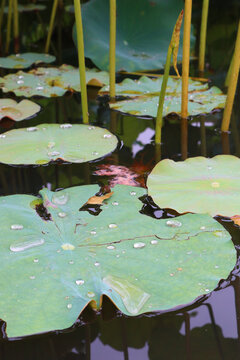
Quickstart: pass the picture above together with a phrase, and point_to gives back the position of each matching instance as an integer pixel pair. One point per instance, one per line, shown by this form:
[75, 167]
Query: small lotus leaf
[51, 269]
[50, 82]
[144, 94]
[27, 8]
[21, 61]
[198, 185]
[144, 31]
[18, 111]
[49, 142]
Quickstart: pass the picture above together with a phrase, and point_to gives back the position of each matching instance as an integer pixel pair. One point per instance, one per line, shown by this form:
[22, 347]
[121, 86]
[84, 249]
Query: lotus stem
[203, 36]
[81, 60]
[15, 26]
[233, 79]
[112, 48]
[50, 30]
[186, 55]
[1, 20]
[9, 23]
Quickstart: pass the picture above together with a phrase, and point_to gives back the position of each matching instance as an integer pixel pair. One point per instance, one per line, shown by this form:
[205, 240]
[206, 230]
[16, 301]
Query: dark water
[208, 329]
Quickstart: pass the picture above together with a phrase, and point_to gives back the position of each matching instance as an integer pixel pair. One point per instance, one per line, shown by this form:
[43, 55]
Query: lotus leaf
[18, 111]
[144, 97]
[21, 61]
[53, 266]
[143, 31]
[198, 185]
[49, 142]
[27, 7]
[50, 81]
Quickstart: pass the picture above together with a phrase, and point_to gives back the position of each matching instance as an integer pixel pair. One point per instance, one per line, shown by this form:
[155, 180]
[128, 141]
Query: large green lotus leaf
[21, 61]
[50, 82]
[27, 7]
[51, 269]
[49, 142]
[198, 185]
[144, 97]
[144, 31]
[18, 111]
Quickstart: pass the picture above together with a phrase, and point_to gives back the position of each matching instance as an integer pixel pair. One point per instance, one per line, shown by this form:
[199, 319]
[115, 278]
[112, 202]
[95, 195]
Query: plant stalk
[9, 23]
[233, 79]
[112, 48]
[51, 24]
[186, 56]
[16, 26]
[81, 60]
[203, 36]
[1, 21]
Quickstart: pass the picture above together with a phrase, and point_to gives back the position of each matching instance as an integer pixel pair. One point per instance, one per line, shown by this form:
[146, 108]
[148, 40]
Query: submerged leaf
[50, 82]
[49, 142]
[199, 185]
[51, 269]
[22, 61]
[18, 111]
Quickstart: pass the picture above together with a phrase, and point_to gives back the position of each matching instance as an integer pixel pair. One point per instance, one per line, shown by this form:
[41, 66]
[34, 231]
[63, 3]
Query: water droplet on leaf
[139, 245]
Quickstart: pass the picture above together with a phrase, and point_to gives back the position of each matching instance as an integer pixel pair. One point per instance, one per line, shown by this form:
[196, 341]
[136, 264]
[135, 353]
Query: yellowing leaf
[175, 41]
[98, 200]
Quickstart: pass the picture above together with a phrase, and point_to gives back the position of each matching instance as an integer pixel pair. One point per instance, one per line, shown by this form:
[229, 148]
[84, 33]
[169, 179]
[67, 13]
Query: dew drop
[209, 167]
[32, 277]
[39, 88]
[216, 266]
[139, 245]
[153, 242]
[69, 306]
[133, 193]
[93, 232]
[91, 128]
[24, 245]
[115, 203]
[202, 227]
[111, 247]
[97, 263]
[173, 223]
[35, 260]
[16, 227]
[95, 153]
[71, 262]
[90, 294]
[67, 246]
[62, 214]
[20, 82]
[112, 226]
[79, 282]
[107, 136]
[65, 126]
[2, 136]
[189, 252]
[60, 198]
[53, 153]
[207, 290]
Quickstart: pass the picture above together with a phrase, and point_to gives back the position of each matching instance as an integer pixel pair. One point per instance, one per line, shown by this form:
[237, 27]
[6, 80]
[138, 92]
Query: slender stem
[186, 55]
[112, 48]
[203, 35]
[51, 24]
[81, 60]
[15, 26]
[1, 21]
[158, 133]
[9, 23]
[233, 79]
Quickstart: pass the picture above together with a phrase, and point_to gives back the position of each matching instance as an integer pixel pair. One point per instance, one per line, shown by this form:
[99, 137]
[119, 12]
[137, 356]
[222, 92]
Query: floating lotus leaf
[49, 142]
[51, 269]
[27, 8]
[144, 94]
[18, 111]
[50, 81]
[144, 31]
[198, 185]
[21, 61]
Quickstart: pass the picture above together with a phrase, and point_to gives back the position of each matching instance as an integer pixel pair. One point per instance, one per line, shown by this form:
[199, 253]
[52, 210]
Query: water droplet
[39, 88]
[207, 290]
[139, 245]
[71, 262]
[16, 227]
[115, 203]
[202, 227]
[60, 198]
[112, 226]
[107, 136]
[90, 294]
[24, 245]
[111, 247]
[153, 242]
[95, 153]
[20, 82]
[65, 126]
[62, 214]
[51, 144]
[189, 252]
[69, 306]
[133, 193]
[91, 127]
[20, 76]
[2, 136]
[32, 277]
[218, 233]
[97, 263]
[209, 167]
[215, 184]
[79, 282]
[35, 260]
[118, 256]
[216, 266]
[173, 223]
[53, 153]
[93, 232]
[67, 246]
[171, 274]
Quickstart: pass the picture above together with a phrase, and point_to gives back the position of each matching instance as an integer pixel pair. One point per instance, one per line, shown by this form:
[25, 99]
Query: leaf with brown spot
[98, 200]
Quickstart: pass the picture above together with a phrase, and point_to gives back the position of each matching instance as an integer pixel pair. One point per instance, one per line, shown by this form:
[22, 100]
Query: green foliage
[21, 61]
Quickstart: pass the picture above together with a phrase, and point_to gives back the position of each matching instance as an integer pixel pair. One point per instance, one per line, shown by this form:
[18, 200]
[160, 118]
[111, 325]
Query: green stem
[16, 26]
[1, 21]
[158, 133]
[112, 48]
[50, 30]
[203, 35]
[9, 22]
[81, 60]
